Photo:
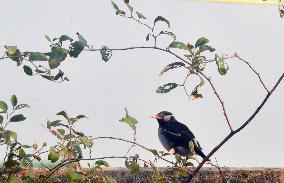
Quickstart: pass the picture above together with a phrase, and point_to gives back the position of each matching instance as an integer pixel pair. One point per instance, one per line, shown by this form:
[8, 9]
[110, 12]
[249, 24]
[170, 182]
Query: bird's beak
[156, 117]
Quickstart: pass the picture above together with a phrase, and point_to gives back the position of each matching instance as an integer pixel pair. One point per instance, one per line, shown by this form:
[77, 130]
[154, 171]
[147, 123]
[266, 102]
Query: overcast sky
[102, 90]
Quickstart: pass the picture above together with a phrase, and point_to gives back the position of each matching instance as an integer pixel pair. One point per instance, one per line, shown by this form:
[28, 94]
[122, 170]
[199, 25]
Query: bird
[175, 136]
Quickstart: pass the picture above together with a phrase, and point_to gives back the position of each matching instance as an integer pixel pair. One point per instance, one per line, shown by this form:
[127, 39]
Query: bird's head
[164, 116]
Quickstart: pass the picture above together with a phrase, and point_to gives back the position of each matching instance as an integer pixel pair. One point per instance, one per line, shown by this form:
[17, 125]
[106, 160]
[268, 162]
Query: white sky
[102, 90]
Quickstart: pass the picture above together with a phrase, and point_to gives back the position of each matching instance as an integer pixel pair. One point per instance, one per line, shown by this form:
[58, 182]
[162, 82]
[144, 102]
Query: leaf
[61, 131]
[120, 12]
[102, 163]
[160, 18]
[22, 153]
[82, 40]
[81, 116]
[65, 38]
[48, 77]
[195, 95]
[106, 53]
[140, 15]
[14, 100]
[60, 74]
[114, 5]
[3, 106]
[21, 106]
[201, 41]
[166, 88]
[1, 119]
[179, 45]
[75, 49]
[64, 114]
[17, 118]
[14, 53]
[12, 134]
[172, 66]
[222, 66]
[129, 120]
[206, 47]
[47, 38]
[15, 179]
[75, 177]
[86, 142]
[37, 56]
[57, 56]
[147, 37]
[53, 156]
[28, 70]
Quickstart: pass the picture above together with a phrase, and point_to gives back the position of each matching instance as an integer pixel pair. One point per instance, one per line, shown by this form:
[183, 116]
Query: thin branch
[259, 78]
[135, 143]
[237, 130]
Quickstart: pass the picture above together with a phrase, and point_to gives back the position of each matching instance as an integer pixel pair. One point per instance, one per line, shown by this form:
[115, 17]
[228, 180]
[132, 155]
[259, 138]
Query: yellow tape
[258, 2]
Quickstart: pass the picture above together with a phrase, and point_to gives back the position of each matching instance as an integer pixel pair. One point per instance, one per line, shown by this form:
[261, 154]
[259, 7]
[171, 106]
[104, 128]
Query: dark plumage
[176, 136]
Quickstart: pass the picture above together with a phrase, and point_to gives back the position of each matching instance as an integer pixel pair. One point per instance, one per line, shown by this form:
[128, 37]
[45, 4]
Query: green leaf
[114, 5]
[65, 38]
[75, 177]
[206, 47]
[129, 120]
[179, 45]
[140, 15]
[22, 154]
[106, 53]
[63, 113]
[37, 56]
[82, 40]
[53, 156]
[75, 49]
[81, 116]
[86, 142]
[222, 66]
[28, 70]
[18, 118]
[120, 12]
[14, 100]
[102, 163]
[166, 88]
[47, 38]
[11, 134]
[57, 56]
[160, 18]
[61, 131]
[201, 41]
[3, 106]
[15, 179]
[147, 37]
[14, 53]
[1, 119]
[172, 66]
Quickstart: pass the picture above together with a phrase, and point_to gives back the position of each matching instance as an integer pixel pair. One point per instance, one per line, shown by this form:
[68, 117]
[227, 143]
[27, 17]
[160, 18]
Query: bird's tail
[199, 152]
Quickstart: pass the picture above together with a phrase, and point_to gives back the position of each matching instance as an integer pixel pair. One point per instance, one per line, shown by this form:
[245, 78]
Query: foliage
[68, 151]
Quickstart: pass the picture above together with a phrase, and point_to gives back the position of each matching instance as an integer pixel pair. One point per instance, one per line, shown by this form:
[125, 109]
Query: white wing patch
[172, 133]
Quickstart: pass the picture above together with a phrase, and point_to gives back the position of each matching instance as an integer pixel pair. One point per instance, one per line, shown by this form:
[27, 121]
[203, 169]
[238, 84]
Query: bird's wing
[178, 133]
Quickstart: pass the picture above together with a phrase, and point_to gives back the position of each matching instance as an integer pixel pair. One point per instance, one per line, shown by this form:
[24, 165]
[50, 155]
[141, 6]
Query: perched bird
[175, 136]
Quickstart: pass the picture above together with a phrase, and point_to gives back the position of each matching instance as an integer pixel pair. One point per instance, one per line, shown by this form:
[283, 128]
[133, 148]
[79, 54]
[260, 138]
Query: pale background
[102, 90]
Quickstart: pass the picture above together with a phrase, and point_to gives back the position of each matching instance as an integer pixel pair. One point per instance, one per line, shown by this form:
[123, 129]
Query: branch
[237, 130]
[259, 78]
[183, 60]
[135, 143]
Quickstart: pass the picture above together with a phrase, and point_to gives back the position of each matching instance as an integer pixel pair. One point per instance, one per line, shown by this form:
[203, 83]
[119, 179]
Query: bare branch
[259, 78]
[237, 130]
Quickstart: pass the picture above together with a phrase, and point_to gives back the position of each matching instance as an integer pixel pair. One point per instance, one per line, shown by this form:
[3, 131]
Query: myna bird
[175, 136]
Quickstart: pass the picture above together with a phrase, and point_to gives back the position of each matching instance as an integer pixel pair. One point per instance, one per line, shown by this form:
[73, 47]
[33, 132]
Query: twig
[237, 130]
[259, 78]
[135, 143]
